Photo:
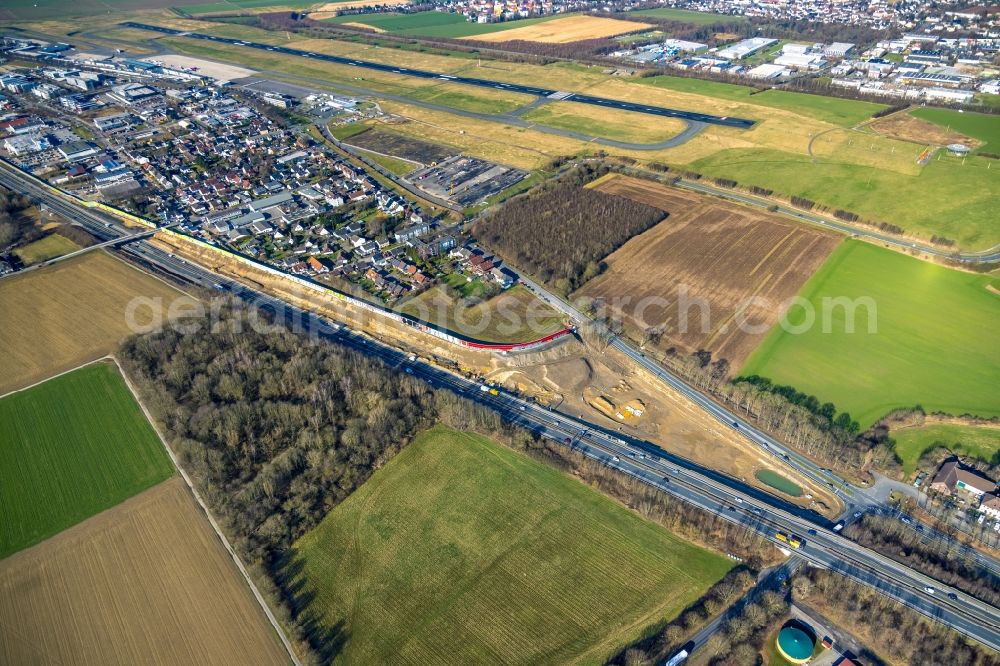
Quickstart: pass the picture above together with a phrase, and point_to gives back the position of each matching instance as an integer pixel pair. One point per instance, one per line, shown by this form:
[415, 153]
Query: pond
[778, 482]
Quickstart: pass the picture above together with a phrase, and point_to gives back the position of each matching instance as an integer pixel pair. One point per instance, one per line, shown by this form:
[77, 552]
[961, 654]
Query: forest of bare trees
[562, 231]
[894, 632]
[16, 227]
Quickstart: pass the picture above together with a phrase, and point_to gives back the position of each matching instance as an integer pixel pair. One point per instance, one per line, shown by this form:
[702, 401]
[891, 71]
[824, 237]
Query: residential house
[954, 477]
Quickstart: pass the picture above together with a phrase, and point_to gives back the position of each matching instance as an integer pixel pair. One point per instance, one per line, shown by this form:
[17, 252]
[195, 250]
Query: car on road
[857, 514]
[616, 458]
[739, 499]
[409, 371]
[907, 520]
[928, 589]
[953, 596]
[811, 531]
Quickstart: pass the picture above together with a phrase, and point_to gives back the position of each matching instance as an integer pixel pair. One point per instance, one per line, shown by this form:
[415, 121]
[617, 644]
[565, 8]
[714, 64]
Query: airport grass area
[436, 24]
[70, 448]
[834, 110]
[981, 442]
[461, 550]
[921, 203]
[598, 122]
[934, 345]
[980, 126]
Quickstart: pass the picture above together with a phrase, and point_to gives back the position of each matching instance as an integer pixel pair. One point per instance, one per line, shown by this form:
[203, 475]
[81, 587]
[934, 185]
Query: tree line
[16, 226]
[945, 560]
[561, 231]
[892, 630]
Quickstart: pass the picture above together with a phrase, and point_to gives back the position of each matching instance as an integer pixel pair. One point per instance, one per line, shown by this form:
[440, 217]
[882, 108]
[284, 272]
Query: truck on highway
[677, 658]
[790, 539]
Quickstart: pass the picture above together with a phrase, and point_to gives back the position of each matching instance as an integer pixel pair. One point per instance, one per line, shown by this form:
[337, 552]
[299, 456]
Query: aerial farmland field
[147, 581]
[69, 448]
[63, 315]
[935, 343]
[462, 551]
[722, 253]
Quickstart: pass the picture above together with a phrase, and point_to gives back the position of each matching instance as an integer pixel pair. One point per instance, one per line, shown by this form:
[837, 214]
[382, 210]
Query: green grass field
[978, 442]
[935, 343]
[462, 551]
[980, 126]
[347, 131]
[923, 204]
[843, 112]
[237, 5]
[46, 248]
[436, 24]
[687, 16]
[605, 123]
[70, 448]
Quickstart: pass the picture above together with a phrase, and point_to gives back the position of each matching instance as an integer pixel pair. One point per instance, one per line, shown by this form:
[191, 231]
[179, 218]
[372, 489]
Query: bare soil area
[714, 275]
[145, 582]
[905, 127]
[597, 386]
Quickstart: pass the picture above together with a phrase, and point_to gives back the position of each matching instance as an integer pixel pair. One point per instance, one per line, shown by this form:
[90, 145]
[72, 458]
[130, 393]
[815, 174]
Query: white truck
[677, 658]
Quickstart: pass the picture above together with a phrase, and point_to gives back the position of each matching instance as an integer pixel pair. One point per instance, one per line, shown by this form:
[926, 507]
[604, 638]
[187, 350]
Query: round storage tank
[795, 644]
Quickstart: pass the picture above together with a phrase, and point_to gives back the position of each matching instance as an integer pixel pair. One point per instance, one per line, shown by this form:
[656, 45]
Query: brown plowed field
[63, 315]
[565, 30]
[742, 264]
[145, 582]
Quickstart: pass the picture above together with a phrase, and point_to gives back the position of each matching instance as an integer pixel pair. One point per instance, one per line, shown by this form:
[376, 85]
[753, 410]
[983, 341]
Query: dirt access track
[597, 386]
[714, 275]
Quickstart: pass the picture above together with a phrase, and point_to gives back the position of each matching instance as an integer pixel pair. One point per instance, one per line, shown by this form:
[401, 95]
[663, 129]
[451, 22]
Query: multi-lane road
[728, 499]
[620, 105]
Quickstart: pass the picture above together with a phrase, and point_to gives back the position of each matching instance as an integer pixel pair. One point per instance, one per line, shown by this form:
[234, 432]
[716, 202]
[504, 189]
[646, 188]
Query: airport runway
[725, 121]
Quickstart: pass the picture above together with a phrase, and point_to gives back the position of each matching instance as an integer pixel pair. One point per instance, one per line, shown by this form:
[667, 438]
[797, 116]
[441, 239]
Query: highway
[727, 498]
[620, 105]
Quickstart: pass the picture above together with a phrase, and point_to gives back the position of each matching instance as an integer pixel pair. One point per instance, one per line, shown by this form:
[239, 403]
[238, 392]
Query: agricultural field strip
[424, 487]
[215, 527]
[770, 258]
[72, 447]
[484, 83]
[145, 581]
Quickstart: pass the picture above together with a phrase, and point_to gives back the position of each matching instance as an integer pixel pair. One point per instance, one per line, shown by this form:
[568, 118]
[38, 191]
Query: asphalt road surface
[727, 498]
[707, 118]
